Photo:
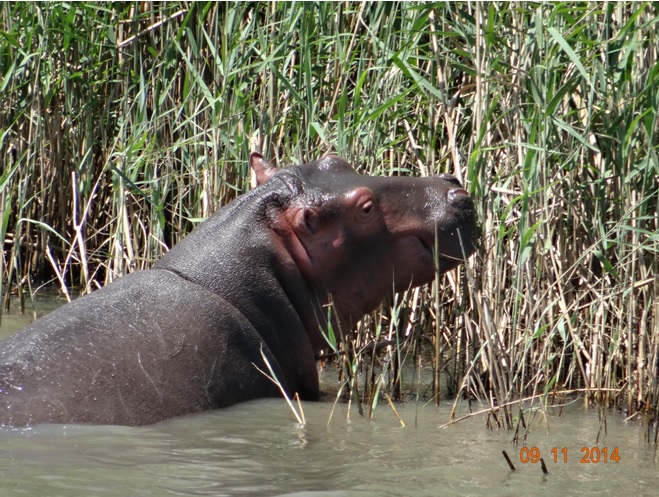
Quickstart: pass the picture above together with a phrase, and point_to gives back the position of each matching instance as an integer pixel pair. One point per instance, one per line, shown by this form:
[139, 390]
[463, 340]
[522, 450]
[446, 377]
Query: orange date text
[588, 455]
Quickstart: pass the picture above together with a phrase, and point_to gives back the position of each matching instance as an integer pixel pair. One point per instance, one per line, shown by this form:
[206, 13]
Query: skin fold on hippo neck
[259, 279]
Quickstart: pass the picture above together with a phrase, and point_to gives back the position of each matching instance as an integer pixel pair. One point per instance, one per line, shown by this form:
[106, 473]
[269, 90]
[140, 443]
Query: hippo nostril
[458, 191]
[451, 179]
[458, 195]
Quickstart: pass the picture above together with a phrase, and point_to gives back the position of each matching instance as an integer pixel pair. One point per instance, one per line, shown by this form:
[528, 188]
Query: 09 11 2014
[589, 455]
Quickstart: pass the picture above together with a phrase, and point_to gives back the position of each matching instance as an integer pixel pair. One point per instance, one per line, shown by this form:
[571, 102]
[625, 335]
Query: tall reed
[123, 125]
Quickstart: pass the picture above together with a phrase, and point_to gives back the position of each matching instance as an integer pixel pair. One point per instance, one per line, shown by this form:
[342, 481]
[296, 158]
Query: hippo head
[356, 238]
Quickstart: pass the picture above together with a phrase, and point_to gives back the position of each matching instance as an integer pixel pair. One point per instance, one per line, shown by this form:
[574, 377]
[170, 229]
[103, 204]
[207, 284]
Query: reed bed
[123, 125]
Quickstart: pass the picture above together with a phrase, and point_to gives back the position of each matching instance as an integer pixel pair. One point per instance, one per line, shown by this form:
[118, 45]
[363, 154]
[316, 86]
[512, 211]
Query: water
[258, 449]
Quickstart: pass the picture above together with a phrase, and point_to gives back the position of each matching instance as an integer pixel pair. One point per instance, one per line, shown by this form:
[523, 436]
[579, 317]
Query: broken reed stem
[298, 413]
[492, 409]
[393, 408]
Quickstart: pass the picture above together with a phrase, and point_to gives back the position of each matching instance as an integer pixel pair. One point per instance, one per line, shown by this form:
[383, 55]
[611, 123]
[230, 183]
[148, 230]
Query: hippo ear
[263, 170]
[305, 221]
[310, 220]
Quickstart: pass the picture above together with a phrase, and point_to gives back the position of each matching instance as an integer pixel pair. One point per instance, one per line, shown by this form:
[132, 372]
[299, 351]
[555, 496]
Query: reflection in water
[257, 449]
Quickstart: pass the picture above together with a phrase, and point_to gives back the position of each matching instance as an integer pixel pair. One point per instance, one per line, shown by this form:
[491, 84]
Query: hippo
[254, 280]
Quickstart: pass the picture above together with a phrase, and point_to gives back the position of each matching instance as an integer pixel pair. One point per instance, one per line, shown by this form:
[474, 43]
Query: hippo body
[254, 279]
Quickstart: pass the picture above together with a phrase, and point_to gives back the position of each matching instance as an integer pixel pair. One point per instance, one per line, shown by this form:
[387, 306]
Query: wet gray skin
[255, 278]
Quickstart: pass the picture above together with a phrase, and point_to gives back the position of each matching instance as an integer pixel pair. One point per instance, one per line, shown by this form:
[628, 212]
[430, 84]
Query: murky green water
[257, 449]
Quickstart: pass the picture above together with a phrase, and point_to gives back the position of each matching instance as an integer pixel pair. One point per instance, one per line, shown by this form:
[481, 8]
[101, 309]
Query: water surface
[258, 449]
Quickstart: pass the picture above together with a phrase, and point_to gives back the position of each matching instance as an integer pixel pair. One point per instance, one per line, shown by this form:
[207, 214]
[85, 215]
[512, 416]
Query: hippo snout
[459, 197]
[452, 221]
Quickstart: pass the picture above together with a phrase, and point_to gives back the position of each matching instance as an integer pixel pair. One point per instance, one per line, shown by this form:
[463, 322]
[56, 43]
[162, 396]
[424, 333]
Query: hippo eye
[366, 208]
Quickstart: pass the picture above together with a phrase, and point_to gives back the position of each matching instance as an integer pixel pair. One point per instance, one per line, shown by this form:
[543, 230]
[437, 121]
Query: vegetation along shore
[124, 125]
